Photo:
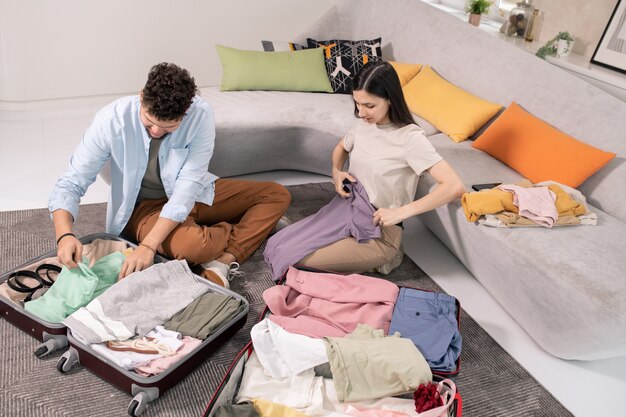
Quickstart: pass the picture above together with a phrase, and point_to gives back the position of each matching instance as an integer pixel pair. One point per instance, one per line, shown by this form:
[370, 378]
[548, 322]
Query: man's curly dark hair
[169, 91]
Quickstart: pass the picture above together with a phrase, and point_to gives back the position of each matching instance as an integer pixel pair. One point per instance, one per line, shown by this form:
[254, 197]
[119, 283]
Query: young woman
[388, 153]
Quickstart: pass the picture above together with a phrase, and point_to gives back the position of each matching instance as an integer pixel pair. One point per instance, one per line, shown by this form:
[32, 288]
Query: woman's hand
[338, 177]
[388, 217]
[141, 258]
[70, 251]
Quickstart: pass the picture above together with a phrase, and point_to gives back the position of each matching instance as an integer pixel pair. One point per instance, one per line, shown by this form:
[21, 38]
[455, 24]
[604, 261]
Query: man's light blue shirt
[117, 134]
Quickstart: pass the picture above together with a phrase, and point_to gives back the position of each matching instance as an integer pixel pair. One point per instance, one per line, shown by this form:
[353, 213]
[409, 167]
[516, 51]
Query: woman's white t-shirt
[388, 160]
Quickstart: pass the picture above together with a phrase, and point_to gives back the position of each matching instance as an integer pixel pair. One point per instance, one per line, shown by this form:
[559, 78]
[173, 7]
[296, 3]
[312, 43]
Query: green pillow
[283, 71]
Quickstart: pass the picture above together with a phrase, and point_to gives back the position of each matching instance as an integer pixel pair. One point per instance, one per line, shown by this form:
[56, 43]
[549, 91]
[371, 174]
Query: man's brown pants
[242, 215]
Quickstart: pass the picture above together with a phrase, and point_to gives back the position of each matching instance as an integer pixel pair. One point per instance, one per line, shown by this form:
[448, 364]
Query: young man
[159, 145]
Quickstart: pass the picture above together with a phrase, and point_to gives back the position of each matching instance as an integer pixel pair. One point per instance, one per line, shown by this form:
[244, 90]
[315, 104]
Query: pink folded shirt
[535, 203]
[325, 304]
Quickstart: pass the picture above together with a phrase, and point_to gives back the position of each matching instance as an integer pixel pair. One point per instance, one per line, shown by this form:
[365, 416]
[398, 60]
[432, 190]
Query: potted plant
[560, 45]
[476, 8]
[564, 44]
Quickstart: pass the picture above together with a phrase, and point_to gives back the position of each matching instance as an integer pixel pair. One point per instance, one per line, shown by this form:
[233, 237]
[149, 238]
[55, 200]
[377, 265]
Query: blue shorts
[429, 320]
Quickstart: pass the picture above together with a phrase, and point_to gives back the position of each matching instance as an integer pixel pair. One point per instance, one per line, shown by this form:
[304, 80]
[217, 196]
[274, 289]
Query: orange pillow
[539, 151]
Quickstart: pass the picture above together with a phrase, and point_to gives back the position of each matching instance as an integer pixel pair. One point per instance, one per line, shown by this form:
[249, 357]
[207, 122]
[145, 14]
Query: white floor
[37, 142]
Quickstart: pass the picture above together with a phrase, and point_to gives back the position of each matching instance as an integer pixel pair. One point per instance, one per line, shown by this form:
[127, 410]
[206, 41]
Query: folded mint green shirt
[75, 288]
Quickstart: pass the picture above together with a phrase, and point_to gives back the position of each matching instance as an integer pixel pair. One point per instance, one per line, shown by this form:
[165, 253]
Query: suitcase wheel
[67, 361]
[138, 404]
[42, 350]
[51, 345]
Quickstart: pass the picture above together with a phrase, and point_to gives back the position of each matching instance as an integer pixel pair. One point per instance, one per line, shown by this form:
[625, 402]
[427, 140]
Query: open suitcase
[228, 388]
[144, 389]
[147, 389]
[52, 335]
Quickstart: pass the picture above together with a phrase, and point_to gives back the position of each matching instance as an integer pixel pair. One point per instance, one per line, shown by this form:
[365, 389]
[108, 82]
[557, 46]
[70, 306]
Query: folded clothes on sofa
[524, 204]
[534, 203]
[508, 219]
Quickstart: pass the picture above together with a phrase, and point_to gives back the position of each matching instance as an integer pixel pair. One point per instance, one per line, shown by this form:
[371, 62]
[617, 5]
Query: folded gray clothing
[137, 304]
[205, 315]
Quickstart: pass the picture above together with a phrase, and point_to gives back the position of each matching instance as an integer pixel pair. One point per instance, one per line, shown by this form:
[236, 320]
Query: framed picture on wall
[611, 51]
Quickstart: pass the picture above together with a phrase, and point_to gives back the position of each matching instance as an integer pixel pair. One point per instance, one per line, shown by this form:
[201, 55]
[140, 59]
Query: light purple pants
[337, 220]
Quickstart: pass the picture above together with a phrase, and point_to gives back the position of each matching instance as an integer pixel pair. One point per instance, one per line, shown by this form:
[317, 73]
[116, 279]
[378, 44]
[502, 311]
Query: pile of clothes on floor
[345, 345]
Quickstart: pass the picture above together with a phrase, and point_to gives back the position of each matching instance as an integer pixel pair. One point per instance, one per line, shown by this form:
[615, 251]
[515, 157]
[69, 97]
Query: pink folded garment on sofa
[326, 304]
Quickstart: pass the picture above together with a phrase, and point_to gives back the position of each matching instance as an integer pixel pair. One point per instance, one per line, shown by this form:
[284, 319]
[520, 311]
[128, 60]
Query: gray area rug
[491, 382]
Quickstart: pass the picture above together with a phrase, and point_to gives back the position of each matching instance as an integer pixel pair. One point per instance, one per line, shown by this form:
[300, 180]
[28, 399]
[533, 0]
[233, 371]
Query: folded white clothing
[130, 360]
[284, 354]
[304, 392]
[126, 360]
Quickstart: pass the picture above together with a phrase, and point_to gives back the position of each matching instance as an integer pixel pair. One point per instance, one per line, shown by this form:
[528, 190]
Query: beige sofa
[565, 286]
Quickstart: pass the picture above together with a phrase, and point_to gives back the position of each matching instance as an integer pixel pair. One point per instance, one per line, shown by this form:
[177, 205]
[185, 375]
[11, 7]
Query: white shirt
[284, 354]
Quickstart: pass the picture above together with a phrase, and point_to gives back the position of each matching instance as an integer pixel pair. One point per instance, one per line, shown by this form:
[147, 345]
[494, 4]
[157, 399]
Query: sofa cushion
[281, 71]
[344, 58]
[539, 151]
[429, 129]
[451, 109]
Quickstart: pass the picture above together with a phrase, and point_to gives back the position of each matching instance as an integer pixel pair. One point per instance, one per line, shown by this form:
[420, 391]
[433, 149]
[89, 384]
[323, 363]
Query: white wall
[584, 19]
[76, 48]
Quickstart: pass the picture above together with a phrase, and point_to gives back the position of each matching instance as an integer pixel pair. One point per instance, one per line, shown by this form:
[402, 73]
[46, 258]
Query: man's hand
[338, 177]
[141, 258]
[389, 217]
[70, 251]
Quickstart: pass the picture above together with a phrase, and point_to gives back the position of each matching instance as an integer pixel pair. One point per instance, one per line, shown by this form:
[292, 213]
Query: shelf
[580, 64]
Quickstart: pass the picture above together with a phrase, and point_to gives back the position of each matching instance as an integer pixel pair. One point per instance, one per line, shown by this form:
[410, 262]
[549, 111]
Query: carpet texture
[491, 382]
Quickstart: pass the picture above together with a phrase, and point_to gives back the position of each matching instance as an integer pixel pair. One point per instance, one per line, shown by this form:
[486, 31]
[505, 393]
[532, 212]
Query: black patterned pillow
[345, 58]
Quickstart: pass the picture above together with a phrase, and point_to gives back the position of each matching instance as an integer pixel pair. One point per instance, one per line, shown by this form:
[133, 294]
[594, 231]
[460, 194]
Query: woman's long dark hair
[381, 80]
